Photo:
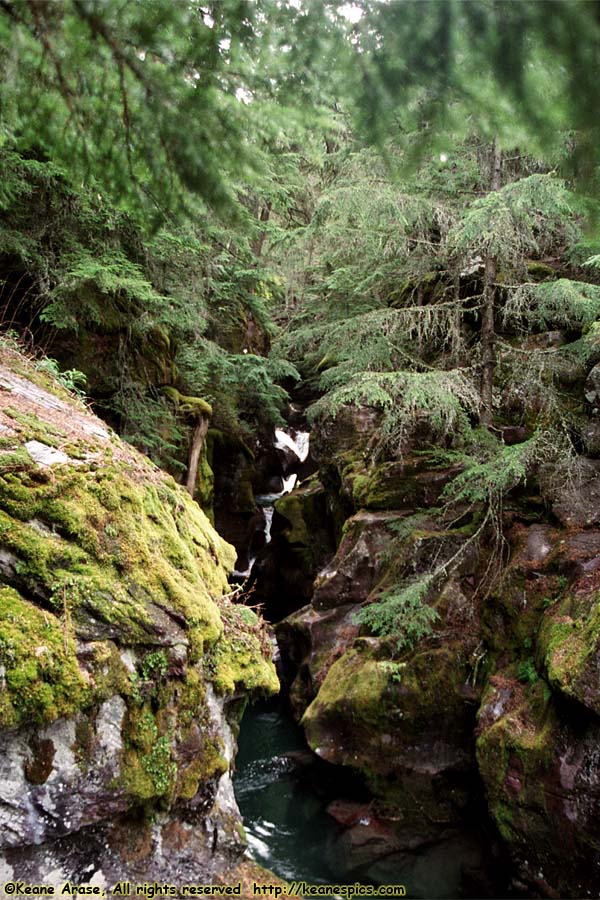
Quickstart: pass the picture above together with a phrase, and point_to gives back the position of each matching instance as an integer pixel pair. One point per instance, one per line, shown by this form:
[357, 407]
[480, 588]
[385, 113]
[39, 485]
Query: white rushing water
[289, 484]
[300, 444]
[267, 511]
[268, 514]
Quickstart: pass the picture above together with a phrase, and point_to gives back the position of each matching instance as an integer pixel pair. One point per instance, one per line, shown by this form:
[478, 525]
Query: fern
[72, 379]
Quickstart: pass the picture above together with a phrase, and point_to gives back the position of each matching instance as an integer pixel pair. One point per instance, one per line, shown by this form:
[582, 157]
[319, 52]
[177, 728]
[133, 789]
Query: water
[298, 444]
[267, 511]
[282, 793]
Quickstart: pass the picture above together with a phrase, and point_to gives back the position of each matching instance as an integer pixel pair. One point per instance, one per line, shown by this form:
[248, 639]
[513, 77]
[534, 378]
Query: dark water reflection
[283, 792]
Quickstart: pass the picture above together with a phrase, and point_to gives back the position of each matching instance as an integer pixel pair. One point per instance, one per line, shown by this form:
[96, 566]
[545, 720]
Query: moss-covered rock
[395, 485]
[122, 662]
[233, 661]
[41, 680]
[379, 715]
[569, 643]
[541, 771]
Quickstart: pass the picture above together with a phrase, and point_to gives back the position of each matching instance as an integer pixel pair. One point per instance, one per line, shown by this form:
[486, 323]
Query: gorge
[300, 446]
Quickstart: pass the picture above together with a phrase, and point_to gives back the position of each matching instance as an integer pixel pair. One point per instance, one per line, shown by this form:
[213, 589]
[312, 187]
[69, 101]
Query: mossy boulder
[380, 715]
[405, 725]
[541, 771]
[350, 430]
[40, 677]
[577, 503]
[124, 666]
[395, 485]
[569, 644]
[302, 518]
[310, 641]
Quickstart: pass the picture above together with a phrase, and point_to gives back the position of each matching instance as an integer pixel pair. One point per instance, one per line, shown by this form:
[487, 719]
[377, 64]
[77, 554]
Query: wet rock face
[538, 722]
[413, 721]
[541, 768]
[77, 827]
[301, 541]
[577, 504]
[405, 722]
[122, 668]
[356, 568]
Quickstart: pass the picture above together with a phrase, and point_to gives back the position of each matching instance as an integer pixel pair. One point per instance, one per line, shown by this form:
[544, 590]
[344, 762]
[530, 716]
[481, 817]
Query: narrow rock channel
[308, 819]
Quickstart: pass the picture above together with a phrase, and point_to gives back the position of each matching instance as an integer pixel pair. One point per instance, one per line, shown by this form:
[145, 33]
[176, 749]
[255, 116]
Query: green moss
[390, 485]
[122, 543]
[148, 770]
[111, 675]
[35, 428]
[539, 271]
[355, 688]
[569, 643]
[192, 406]
[141, 729]
[208, 765]
[15, 459]
[242, 655]
[117, 554]
[516, 754]
[204, 492]
[504, 818]
[191, 696]
[41, 678]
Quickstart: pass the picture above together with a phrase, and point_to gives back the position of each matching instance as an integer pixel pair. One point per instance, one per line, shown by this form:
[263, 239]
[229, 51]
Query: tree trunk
[488, 352]
[265, 215]
[195, 450]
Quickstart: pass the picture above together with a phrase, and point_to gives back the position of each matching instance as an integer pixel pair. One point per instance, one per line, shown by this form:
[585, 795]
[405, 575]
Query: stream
[283, 792]
[283, 798]
[292, 802]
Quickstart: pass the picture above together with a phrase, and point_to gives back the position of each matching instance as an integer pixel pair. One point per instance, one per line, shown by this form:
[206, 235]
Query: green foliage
[72, 379]
[524, 218]
[486, 481]
[403, 613]
[443, 401]
[479, 65]
[553, 304]
[527, 672]
[154, 665]
[158, 103]
[175, 308]
[394, 669]
[107, 290]
[407, 340]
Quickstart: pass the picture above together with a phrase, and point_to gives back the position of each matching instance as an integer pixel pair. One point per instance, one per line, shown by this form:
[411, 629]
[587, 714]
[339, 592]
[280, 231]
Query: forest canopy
[231, 195]
[161, 102]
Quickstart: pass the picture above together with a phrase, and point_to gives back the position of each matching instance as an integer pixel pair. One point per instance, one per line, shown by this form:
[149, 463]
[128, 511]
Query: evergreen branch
[98, 27]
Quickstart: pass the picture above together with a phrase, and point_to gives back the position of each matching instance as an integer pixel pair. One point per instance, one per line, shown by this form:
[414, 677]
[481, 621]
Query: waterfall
[300, 444]
[289, 484]
[268, 514]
